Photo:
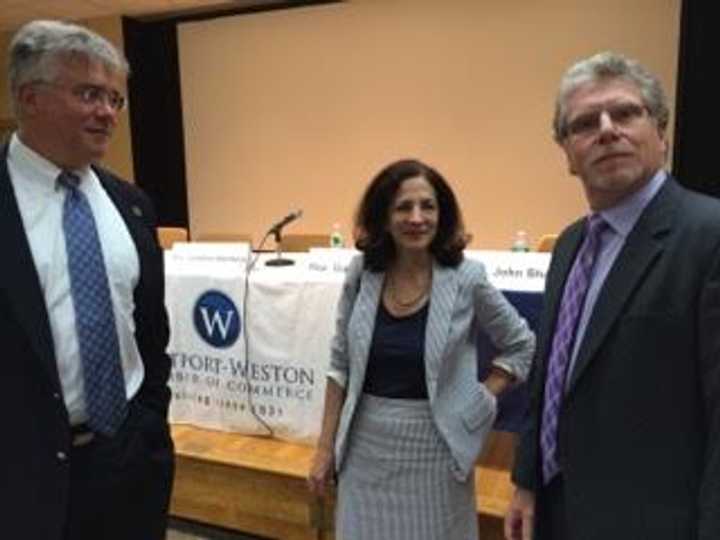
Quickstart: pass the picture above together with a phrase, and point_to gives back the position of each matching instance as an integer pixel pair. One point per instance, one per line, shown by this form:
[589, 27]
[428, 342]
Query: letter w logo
[216, 321]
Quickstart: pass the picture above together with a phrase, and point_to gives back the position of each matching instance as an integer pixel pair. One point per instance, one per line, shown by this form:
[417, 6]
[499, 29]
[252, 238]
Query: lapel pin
[136, 210]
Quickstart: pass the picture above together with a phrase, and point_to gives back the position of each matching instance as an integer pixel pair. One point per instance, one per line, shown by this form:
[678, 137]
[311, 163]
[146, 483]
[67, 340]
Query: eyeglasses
[622, 115]
[93, 95]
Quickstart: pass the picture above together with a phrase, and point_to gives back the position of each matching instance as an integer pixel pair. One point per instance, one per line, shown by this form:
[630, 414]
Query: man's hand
[520, 517]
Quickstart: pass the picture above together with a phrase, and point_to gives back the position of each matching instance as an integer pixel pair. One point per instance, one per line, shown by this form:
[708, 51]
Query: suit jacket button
[62, 456]
[56, 395]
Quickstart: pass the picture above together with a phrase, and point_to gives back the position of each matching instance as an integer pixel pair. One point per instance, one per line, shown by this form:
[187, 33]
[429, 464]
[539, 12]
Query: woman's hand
[497, 381]
[322, 471]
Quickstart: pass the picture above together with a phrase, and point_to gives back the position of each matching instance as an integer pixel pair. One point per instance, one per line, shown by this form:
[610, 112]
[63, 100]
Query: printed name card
[329, 262]
[512, 271]
[208, 258]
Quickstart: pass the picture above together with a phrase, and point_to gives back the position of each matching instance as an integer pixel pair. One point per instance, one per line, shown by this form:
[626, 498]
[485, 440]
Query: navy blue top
[396, 366]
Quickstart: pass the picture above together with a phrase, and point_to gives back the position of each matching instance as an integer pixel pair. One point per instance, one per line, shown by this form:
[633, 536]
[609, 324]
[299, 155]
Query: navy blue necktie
[105, 397]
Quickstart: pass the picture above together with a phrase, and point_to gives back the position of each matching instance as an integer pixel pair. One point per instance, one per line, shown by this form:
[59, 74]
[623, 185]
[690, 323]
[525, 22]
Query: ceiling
[14, 13]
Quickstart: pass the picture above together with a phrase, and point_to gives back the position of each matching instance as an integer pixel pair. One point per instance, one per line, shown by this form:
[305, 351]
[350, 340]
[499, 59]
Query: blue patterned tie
[563, 340]
[95, 320]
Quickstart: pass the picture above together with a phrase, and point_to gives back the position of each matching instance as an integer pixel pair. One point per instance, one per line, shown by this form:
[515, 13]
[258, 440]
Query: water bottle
[336, 237]
[520, 244]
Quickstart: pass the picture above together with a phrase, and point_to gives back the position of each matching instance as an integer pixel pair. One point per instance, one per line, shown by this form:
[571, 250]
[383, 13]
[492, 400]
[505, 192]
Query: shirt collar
[623, 216]
[36, 168]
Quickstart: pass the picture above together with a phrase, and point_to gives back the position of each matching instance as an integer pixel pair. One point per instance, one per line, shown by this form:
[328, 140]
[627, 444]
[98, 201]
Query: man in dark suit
[86, 451]
[623, 438]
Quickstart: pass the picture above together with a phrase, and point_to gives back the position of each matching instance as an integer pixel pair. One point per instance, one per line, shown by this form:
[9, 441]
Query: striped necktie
[563, 340]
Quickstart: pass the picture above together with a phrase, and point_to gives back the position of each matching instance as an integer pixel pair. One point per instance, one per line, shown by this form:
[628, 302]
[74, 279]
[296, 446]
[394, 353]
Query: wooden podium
[257, 485]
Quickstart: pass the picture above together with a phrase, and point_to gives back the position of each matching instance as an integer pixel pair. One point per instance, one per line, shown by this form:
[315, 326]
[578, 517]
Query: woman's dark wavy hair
[371, 218]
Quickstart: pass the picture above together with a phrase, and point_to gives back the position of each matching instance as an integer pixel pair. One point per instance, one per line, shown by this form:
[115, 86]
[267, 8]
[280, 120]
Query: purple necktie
[563, 340]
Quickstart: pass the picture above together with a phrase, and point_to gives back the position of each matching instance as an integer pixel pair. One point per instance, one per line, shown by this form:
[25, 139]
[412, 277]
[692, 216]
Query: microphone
[292, 216]
[275, 230]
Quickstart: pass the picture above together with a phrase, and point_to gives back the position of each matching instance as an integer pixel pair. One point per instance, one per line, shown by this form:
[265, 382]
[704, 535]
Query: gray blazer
[462, 302]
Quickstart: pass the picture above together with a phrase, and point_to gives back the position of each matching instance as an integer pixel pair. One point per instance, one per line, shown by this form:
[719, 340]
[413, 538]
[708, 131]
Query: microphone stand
[279, 260]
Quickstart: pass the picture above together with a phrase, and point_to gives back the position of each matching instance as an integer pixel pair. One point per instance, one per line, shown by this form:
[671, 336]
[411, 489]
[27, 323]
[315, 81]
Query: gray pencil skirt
[396, 481]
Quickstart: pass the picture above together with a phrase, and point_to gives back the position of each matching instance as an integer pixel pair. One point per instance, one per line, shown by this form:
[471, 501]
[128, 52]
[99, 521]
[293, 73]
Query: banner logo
[216, 319]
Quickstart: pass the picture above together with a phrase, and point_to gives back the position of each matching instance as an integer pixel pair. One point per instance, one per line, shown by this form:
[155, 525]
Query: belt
[80, 435]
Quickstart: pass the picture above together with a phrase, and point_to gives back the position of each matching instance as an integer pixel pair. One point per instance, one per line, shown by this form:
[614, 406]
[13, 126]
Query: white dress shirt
[40, 199]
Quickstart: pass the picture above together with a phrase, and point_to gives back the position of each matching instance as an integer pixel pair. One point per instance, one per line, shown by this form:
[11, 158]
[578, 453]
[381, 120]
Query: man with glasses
[623, 436]
[86, 451]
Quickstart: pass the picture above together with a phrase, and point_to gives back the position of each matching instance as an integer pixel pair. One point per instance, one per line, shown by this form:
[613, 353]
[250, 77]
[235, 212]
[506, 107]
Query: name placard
[510, 271]
[208, 258]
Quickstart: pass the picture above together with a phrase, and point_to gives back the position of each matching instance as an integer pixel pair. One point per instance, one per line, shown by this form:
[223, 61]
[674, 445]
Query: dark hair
[372, 215]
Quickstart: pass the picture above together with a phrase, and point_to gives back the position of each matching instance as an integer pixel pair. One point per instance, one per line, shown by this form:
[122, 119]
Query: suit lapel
[445, 285]
[21, 283]
[366, 306]
[132, 214]
[643, 247]
[442, 299]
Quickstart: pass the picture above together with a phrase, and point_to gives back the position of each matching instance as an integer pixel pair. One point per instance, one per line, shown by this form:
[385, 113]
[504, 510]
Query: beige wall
[5, 111]
[119, 156]
[6, 117]
[300, 108]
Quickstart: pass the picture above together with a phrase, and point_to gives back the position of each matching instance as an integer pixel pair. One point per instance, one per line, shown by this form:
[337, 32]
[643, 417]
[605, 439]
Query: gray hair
[610, 65]
[36, 47]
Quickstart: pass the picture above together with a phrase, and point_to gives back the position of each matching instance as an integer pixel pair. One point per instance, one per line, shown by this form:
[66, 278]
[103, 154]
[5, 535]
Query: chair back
[167, 236]
[303, 242]
[223, 237]
[546, 242]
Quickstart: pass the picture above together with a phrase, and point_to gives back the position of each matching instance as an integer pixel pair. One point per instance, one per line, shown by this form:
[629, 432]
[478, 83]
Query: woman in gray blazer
[405, 416]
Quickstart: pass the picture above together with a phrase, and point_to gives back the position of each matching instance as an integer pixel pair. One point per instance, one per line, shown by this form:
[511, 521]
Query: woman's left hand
[497, 381]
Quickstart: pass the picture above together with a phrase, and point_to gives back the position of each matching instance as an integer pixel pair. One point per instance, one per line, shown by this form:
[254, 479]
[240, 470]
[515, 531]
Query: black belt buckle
[80, 435]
